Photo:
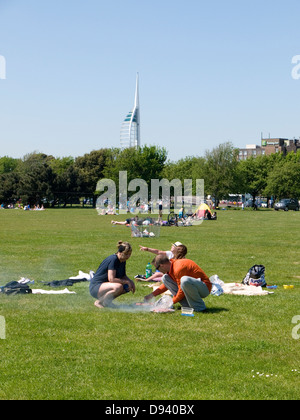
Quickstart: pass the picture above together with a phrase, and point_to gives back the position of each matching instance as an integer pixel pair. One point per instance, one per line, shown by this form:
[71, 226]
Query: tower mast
[137, 108]
[130, 130]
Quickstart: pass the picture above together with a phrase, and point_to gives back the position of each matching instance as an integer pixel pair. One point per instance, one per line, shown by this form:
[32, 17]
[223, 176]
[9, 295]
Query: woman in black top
[110, 280]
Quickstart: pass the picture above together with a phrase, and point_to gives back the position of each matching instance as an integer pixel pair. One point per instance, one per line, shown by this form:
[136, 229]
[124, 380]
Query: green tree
[61, 165]
[66, 181]
[284, 179]
[253, 174]
[91, 167]
[36, 178]
[220, 171]
[9, 187]
[146, 163]
[190, 167]
[8, 164]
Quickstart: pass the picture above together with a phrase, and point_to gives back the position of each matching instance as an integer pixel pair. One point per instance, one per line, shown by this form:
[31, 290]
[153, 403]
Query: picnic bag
[255, 276]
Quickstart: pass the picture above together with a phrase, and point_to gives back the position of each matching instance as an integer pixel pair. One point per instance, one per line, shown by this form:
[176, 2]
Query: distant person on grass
[186, 281]
[126, 222]
[110, 280]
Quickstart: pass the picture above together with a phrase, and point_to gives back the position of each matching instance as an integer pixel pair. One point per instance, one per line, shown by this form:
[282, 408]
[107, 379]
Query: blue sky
[210, 72]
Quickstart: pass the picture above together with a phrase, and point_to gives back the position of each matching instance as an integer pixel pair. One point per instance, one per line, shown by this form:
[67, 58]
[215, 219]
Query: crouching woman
[110, 280]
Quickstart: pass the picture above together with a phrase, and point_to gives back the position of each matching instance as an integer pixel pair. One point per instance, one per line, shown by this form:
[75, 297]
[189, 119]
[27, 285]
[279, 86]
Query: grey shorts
[94, 289]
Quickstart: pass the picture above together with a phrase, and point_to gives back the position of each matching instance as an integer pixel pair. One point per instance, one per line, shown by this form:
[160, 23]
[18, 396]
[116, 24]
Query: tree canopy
[38, 177]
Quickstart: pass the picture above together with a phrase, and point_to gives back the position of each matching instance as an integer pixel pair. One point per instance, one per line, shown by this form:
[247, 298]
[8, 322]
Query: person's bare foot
[98, 304]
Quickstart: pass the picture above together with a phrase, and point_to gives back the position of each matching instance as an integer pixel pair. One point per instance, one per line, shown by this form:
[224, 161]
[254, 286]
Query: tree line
[39, 178]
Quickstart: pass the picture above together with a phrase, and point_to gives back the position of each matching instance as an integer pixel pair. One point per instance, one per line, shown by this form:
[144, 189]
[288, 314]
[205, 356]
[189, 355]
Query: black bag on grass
[255, 276]
[15, 288]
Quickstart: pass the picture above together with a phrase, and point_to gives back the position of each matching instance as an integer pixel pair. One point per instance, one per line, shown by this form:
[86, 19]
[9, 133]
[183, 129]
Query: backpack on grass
[255, 276]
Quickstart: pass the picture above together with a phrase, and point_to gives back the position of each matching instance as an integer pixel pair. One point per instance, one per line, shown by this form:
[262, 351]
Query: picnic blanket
[219, 287]
[241, 289]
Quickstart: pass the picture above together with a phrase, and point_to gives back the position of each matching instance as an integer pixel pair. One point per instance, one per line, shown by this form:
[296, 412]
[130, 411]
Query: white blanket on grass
[52, 292]
[219, 287]
[242, 289]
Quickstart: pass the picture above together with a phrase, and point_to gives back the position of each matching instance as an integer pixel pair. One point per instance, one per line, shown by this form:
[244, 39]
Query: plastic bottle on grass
[148, 270]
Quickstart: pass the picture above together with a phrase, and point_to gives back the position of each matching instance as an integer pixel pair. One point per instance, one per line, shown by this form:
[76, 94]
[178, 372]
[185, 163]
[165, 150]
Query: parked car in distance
[287, 204]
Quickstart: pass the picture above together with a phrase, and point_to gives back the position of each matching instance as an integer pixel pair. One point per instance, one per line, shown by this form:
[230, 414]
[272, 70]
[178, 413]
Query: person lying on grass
[186, 281]
[110, 280]
[127, 221]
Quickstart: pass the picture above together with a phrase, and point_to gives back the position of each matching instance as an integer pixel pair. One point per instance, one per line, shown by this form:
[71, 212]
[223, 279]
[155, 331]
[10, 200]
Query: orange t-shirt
[180, 268]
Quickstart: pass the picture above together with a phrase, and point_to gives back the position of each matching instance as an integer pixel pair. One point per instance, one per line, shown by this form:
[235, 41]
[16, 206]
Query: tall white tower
[130, 130]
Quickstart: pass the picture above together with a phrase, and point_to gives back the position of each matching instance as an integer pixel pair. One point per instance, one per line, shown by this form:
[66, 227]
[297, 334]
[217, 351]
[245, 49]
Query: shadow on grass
[214, 310]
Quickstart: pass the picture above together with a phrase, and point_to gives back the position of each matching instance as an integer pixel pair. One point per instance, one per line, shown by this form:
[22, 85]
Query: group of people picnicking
[19, 206]
[186, 281]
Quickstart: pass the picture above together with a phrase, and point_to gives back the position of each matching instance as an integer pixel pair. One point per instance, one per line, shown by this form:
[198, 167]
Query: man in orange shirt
[186, 281]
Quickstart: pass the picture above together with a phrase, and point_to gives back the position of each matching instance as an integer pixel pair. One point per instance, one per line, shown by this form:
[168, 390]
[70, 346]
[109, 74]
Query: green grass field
[62, 347]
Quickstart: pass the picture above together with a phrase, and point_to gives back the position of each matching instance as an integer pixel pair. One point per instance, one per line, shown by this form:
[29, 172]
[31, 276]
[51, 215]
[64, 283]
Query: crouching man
[186, 281]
